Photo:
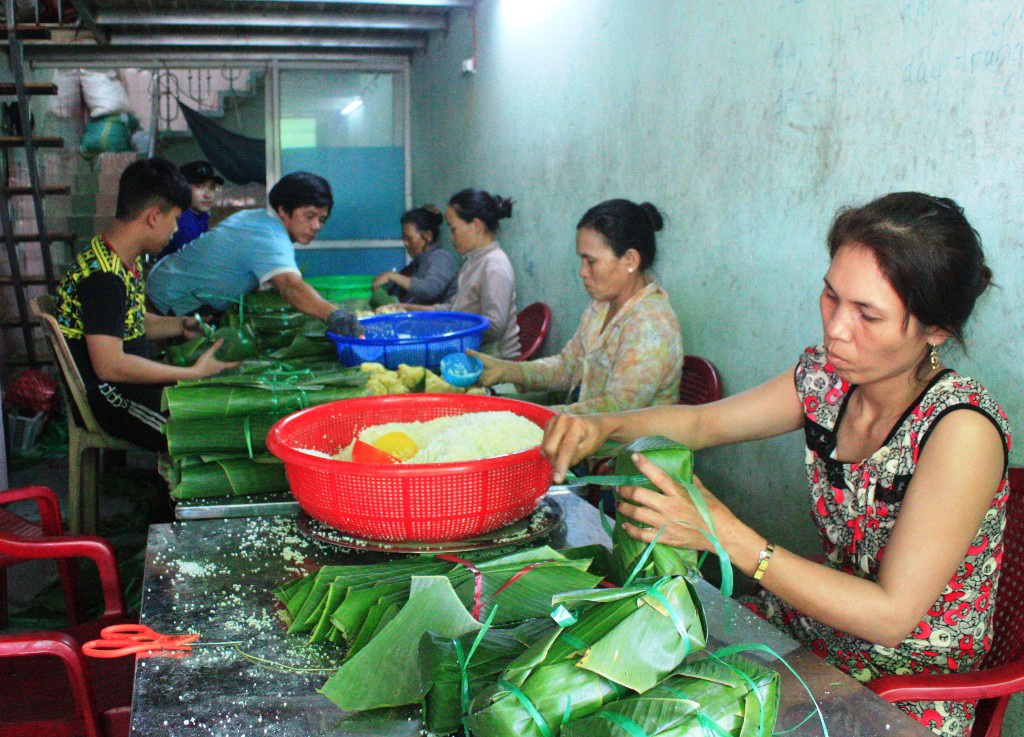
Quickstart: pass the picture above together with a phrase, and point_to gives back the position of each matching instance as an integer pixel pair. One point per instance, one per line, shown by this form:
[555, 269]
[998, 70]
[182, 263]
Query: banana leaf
[239, 344]
[380, 297]
[728, 696]
[386, 671]
[189, 403]
[674, 459]
[440, 665]
[526, 597]
[230, 477]
[595, 659]
[268, 301]
[219, 434]
[305, 346]
[295, 375]
[305, 604]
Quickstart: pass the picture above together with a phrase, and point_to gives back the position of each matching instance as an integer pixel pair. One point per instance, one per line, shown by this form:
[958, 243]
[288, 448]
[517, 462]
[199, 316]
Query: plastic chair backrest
[534, 322]
[44, 308]
[1008, 621]
[700, 383]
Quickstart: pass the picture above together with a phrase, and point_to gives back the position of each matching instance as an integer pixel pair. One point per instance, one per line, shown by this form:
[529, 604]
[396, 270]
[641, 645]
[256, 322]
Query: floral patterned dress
[855, 506]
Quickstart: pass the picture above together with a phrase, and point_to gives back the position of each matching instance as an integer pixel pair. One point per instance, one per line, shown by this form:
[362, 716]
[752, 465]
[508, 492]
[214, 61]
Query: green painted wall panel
[749, 124]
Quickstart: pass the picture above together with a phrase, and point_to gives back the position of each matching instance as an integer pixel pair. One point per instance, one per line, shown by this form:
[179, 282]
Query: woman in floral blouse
[906, 459]
[627, 352]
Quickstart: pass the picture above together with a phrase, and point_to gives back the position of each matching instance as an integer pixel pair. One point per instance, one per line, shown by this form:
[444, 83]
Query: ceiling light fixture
[356, 103]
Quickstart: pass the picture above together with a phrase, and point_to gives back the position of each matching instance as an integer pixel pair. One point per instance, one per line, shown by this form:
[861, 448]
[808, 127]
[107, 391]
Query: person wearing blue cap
[204, 182]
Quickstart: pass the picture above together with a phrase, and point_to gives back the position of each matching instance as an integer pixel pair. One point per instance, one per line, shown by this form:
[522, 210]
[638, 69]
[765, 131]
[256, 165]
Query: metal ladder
[22, 91]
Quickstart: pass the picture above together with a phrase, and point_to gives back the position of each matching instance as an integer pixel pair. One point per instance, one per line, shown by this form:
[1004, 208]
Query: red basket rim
[470, 402]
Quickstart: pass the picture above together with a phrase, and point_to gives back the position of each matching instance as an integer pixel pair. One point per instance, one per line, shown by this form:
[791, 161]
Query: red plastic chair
[1003, 671]
[47, 687]
[700, 383]
[534, 322]
[50, 525]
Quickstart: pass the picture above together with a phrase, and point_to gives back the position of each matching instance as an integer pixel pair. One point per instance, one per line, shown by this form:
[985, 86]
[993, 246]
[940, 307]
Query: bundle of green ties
[528, 643]
[216, 435]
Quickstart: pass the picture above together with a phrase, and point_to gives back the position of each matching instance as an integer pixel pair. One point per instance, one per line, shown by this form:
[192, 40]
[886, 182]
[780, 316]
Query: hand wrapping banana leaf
[594, 659]
[730, 696]
[674, 459]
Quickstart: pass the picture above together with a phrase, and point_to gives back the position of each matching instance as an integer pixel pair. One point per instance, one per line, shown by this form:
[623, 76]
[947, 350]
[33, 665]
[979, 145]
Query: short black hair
[151, 182]
[300, 189]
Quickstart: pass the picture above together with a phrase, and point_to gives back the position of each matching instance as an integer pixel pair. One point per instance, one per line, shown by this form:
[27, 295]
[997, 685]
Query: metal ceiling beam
[75, 55]
[212, 41]
[86, 17]
[295, 19]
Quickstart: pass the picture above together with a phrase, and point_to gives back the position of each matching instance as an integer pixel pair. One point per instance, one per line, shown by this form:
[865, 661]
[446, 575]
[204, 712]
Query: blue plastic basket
[413, 338]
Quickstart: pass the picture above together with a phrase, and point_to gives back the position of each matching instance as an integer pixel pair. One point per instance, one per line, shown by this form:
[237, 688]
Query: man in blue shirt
[195, 221]
[253, 249]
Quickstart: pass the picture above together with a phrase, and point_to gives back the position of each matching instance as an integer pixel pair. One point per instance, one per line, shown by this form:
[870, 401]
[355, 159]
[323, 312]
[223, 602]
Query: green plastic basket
[343, 286]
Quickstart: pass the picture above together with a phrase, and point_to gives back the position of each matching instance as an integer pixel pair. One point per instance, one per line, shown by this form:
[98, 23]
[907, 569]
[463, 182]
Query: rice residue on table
[465, 437]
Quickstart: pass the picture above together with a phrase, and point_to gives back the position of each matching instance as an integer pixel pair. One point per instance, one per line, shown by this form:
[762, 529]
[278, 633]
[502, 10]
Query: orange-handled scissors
[127, 639]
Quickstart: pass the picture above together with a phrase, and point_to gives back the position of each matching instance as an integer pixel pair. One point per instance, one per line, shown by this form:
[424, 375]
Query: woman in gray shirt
[430, 277]
[486, 282]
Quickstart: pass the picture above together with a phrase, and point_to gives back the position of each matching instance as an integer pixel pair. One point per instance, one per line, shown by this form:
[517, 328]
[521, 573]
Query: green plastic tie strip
[563, 617]
[655, 591]
[710, 726]
[464, 666]
[753, 687]
[573, 641]
[747, 646]
[567, 714]
[626, 724]
[528, 705]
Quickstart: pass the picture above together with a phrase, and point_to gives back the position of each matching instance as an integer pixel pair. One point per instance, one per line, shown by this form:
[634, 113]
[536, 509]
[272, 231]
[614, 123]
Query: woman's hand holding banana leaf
[666, 509]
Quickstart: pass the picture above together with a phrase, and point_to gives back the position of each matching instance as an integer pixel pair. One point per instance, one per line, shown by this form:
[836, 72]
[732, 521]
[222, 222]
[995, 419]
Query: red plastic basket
[418, 502]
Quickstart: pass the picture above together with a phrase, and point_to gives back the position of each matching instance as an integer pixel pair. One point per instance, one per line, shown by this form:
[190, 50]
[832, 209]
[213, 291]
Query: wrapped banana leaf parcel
[458, 668]
[610, 642]
[383, 669]
[730, 696]
[632, 557]
[195, 478]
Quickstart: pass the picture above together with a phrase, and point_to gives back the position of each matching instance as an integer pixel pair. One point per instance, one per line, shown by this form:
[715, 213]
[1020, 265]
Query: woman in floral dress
[906, 459]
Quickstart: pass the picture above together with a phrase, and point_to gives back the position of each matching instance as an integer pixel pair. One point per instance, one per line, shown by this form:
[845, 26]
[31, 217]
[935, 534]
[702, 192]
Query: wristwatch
[763, 558]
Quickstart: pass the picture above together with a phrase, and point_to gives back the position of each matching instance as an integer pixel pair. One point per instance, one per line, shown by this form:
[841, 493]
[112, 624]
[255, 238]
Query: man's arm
[159, 327]
[111, 363]
[307, 300]
[301, 296]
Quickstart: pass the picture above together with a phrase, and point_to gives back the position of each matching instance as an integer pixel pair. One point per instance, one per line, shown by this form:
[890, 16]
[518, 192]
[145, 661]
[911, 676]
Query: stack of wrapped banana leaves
[532, 643]
[216, 435]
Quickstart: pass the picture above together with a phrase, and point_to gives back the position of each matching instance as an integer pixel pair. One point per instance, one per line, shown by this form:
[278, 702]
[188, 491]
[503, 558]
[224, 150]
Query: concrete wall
[749, 124]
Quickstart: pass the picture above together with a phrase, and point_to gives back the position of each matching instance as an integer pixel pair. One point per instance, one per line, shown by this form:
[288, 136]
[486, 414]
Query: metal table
[215, 577]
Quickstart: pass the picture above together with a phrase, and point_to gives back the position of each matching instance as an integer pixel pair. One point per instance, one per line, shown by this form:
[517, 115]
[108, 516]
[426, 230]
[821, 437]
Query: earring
[934, 358]
[631, 271]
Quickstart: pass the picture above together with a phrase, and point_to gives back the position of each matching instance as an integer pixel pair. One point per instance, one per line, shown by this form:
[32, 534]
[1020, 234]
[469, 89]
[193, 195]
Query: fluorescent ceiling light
[352, 106]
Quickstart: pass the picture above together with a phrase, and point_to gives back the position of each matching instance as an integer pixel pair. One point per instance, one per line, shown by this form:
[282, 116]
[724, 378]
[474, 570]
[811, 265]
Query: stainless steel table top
[215, 577]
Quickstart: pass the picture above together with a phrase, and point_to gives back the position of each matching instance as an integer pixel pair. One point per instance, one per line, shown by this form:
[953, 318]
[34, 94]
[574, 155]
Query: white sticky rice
[466, 437]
